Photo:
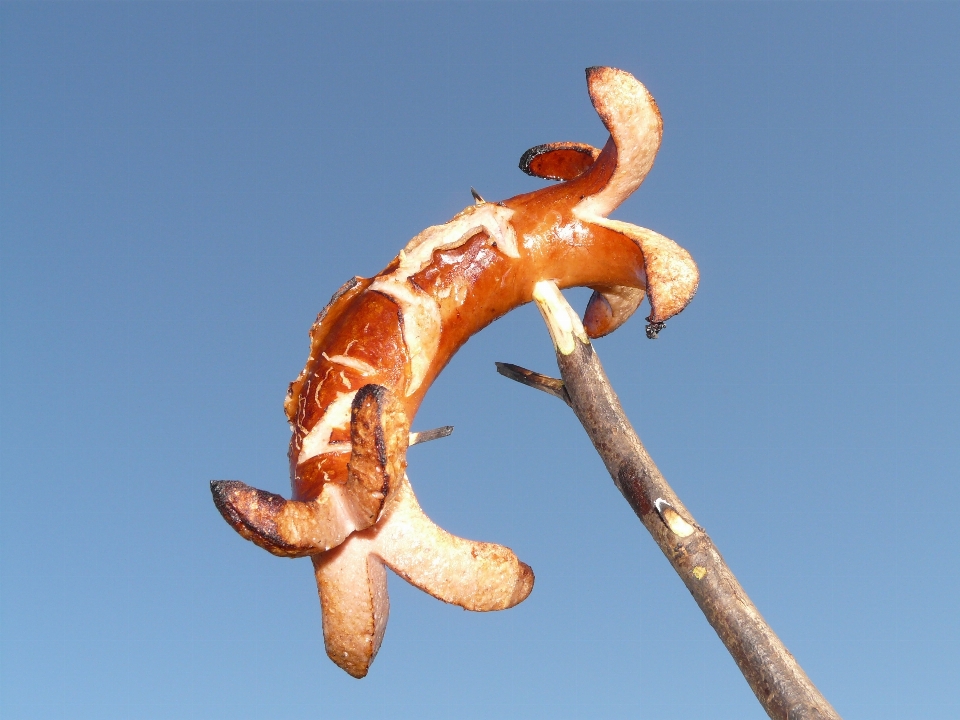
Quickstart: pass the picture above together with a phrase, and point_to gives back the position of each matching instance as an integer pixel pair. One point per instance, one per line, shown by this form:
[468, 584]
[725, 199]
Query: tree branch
[775, 677]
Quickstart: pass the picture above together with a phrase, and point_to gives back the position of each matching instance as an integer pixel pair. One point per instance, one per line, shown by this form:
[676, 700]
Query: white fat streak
[562, 322]
[504, 234]
[489, 218]
[421, 313]
[421, 325]
[317, 441]
[361, 366]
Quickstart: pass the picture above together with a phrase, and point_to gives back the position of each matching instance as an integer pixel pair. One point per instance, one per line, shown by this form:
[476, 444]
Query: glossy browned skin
[380, 342]
[553, 244]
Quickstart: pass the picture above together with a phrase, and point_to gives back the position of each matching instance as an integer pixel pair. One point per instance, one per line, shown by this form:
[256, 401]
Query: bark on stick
[778, 681]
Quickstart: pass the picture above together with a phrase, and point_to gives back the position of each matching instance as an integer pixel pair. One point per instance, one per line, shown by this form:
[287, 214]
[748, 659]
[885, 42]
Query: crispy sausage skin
[381, 341]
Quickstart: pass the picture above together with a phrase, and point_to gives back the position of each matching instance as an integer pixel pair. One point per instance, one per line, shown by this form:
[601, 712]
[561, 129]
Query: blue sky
[184, 185]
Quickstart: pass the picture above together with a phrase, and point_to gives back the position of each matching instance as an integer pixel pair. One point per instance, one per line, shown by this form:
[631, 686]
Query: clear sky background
[185, 185]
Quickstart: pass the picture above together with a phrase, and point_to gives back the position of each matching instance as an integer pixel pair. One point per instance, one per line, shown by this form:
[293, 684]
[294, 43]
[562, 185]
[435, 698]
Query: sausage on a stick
[381, 341]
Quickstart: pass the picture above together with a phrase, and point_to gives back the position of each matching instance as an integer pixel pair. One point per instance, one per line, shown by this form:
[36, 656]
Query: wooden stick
[773, 674]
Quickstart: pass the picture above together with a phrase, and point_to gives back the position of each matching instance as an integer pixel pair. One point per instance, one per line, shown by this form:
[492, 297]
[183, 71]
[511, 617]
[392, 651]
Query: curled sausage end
[352, 583]
[558, 161]
[609, 308]
[631, 115]
[474, 575]
[671, 275]
[287, 528]
[379, 435]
